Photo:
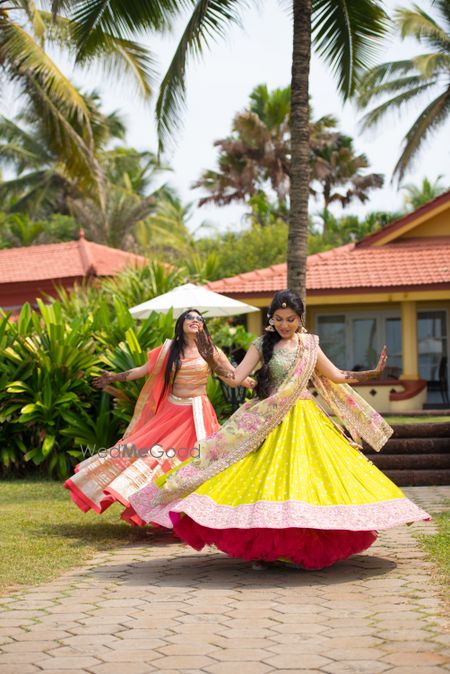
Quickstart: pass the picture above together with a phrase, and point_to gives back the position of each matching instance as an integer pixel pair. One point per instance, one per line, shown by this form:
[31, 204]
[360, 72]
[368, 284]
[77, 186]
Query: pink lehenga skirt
[167, 439]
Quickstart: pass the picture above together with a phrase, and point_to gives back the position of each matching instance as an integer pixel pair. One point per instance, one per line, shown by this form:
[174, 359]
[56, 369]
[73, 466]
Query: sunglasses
[194, 317]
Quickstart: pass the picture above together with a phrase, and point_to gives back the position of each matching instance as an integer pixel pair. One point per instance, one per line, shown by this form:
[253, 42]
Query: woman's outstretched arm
[107, 378]
[220, 364]
[328, 369]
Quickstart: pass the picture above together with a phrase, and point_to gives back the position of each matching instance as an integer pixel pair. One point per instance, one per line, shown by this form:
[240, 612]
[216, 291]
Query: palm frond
[380, 74]
[20, 149]
[80, 161]
[404, 84]
[429, 65]
[417, 23]
[374, 116]
[209, 21]
[429, 120]
[119, 18]
[116, 56]
[23, 56]
[346, 34]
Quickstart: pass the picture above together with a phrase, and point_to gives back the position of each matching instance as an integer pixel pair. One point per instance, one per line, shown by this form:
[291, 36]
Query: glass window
[331, 331]
[365, 346]
[432, 343]
[393, 341]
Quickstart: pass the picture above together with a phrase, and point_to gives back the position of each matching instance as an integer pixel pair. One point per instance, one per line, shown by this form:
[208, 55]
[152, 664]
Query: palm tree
[407, 82]
[257, 154]
[340, 173]
[344, 32]
[418, 195]
[256, 157]
[44, 181]
[24, 31]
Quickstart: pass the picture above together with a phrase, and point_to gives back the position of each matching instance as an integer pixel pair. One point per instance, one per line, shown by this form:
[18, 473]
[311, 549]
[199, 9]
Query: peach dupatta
[152, 393]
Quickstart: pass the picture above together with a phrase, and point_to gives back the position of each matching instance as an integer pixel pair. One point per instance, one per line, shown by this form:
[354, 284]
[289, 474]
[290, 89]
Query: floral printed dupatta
[355, 413]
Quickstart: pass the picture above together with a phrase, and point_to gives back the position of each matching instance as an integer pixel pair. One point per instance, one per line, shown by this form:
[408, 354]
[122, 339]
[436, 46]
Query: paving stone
[415, 659]
[182, 662]
[419, 670]
[196, 648]
[27, 658]
[131, 668]
[72, 662]
[20, 669]
[297, 662]
[359, 667]
[244, 668]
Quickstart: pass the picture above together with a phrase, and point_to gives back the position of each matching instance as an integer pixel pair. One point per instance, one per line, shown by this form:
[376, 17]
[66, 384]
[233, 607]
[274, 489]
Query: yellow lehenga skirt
[306, 495]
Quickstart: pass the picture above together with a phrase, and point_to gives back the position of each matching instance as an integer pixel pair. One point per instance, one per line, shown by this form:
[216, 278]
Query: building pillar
[409, 341]
[254, 323]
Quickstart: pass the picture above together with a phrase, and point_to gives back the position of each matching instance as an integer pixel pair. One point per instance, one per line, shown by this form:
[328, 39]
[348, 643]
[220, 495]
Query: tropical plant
[418, 195]
[329, 231]
[255, 247]
[65, 114]
[44, 183]
[164, 232]
[18, 229]
[50, 415]
[345, 33]
[255, 161]
[48, 407]
[256, 156]
[338, 173]
[408, 81]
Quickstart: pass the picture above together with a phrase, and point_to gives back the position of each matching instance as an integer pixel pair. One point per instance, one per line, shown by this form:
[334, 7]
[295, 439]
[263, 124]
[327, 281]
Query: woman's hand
[356, 376]
[206, 348]
[249, 382]
[104, 379]
[381, 361]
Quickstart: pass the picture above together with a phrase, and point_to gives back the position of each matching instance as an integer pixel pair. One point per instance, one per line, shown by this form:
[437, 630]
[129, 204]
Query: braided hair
[177, 349]
[290, 300]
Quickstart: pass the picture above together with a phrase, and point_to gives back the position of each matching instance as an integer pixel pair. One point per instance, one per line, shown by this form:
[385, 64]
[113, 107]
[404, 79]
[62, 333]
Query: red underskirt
[310, 548]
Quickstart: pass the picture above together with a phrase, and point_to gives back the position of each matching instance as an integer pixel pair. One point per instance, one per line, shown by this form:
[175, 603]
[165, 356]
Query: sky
[219, 85]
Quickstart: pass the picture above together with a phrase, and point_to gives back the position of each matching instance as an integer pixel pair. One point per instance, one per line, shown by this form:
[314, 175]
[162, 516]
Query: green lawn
[43, 533]
[438, 548]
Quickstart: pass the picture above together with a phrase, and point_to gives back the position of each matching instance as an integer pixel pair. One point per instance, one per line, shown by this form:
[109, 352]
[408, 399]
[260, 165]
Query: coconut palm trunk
[298, 218]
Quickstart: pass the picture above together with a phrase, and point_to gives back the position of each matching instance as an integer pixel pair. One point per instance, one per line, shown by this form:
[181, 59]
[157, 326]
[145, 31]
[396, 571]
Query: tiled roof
[63, 260]
[406, 263]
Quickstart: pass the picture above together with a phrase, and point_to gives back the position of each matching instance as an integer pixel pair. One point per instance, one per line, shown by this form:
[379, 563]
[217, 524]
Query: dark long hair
[292, 301]
[177, 349]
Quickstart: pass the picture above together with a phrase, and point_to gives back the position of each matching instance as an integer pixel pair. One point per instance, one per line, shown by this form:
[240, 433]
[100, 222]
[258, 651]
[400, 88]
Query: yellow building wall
[439, 225]
[407, 305]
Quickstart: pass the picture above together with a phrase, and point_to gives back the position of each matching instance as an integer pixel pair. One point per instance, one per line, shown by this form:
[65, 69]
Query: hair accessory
[284, 305]
[270, 327]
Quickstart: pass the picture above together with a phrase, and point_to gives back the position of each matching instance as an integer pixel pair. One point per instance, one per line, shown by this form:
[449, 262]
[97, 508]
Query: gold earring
[270, 327]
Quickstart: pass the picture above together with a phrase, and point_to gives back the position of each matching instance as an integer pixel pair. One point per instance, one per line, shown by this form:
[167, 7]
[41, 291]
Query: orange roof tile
[63, 260]
[402, 264]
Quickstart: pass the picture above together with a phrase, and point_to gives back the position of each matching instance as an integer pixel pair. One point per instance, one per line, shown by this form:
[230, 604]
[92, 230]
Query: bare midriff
[191, 378]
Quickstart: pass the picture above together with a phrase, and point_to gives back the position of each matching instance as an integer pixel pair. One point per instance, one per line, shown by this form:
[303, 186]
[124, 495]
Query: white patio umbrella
[189, 295]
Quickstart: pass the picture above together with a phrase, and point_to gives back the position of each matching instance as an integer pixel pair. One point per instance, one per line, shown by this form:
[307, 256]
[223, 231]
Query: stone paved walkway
[163, 608]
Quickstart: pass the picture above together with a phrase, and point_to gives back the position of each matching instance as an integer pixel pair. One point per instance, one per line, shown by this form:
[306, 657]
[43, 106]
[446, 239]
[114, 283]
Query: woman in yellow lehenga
[280, 480]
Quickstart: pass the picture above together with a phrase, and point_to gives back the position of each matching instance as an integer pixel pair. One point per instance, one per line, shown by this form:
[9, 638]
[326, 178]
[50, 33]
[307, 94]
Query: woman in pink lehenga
[172, 414]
